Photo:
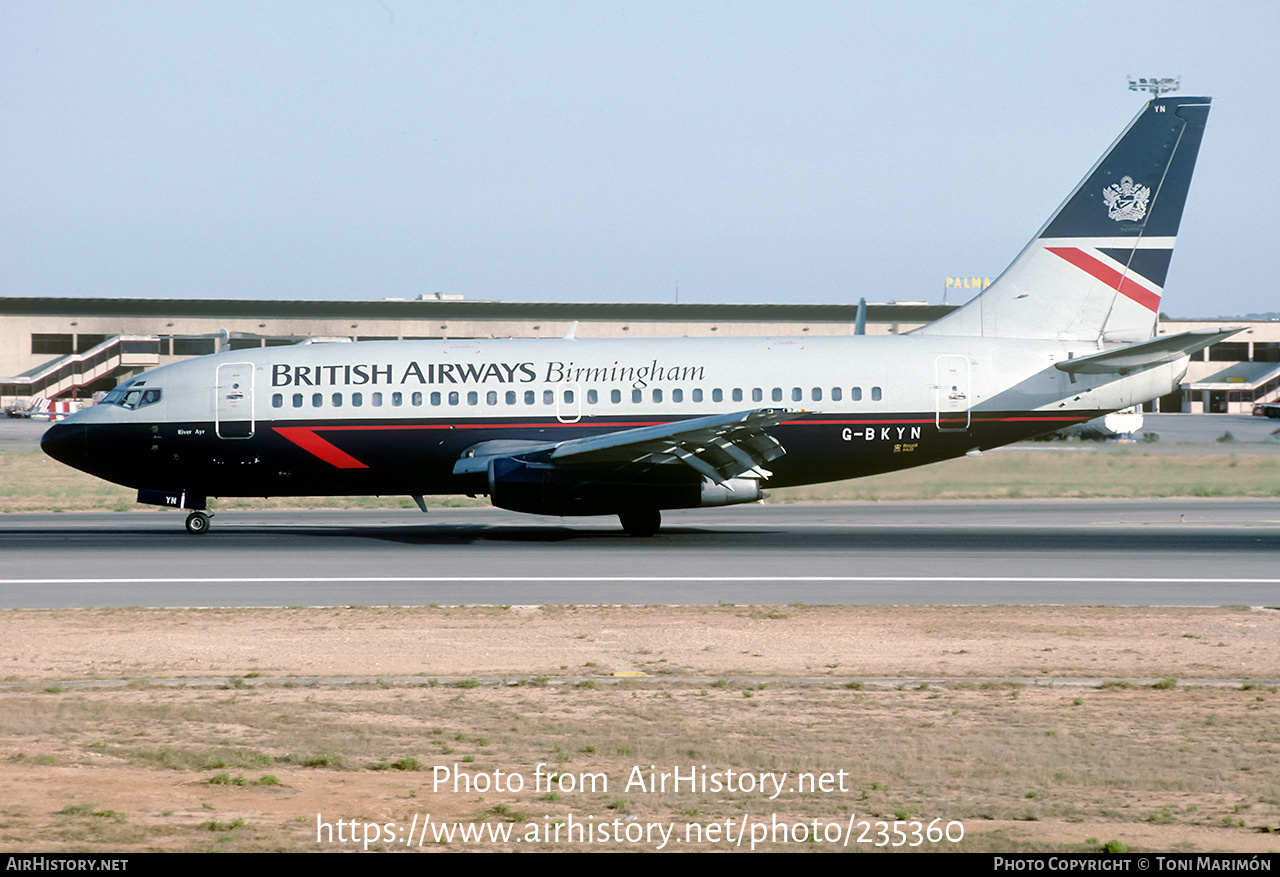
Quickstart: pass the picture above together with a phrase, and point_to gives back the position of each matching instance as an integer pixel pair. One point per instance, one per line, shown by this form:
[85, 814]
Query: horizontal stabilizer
[1148, 354]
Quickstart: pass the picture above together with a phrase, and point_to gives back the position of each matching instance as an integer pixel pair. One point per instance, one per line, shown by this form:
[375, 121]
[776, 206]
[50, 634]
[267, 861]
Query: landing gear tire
[641, 522]
[197, 523]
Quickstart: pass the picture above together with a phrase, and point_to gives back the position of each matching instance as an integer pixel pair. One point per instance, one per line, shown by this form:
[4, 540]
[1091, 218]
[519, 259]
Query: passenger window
[357, 399]
[416, 399]
[875, 394]
[297, 400]
[568, 397]
[856, 394]
[615, 396]
[737, 394]
[277, 400]
[511, 397]
[317, 399]
[548, 397]
[592, 397]
[697, 395]
[757, 395]
[835, 394]
[376, 399]
[491, 397]
[817, 394]
[717, 395]
[657, 395]
[677, 395]
[637, 396]
[529, 397]
[337, 400]
[397, 399]
[436, 398]
[473, 398]
[453, 397]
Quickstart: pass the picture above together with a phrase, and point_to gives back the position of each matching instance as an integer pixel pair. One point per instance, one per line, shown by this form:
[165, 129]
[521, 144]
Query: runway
[1201, 552]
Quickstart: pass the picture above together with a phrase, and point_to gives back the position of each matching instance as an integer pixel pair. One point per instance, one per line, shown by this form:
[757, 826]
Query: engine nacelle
[546, 489]
[730, 492]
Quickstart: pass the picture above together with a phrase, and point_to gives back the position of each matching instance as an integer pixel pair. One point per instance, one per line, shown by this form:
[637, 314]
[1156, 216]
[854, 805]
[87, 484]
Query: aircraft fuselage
[395, 417]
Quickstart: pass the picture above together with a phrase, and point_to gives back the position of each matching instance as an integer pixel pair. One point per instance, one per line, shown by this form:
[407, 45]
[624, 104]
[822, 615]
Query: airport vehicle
[44, 409]
[1266, 409]
[634, 427]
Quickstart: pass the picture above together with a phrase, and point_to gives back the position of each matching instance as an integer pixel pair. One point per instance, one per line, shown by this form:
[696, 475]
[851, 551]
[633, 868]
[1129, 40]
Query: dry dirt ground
[1058, 728]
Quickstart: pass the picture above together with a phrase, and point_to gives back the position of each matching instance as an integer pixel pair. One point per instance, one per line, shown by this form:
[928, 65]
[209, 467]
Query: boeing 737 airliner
[632, 427]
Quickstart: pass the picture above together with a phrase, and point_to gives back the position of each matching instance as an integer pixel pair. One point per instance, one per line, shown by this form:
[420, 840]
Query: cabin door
[233, 405]
[951, 392]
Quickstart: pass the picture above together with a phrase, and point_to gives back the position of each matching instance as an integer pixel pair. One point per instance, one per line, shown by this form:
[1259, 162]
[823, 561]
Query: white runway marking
[249, 580]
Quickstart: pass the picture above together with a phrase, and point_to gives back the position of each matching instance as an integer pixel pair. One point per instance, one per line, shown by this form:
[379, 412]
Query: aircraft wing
[1147, 354]
[721, 446]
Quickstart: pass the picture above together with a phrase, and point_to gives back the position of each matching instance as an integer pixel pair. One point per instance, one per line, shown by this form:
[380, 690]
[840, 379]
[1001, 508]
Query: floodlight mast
[1157, 86]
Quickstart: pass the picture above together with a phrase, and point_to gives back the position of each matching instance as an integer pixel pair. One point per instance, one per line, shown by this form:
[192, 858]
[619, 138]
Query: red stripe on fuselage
[1110, 276]
[305, 438]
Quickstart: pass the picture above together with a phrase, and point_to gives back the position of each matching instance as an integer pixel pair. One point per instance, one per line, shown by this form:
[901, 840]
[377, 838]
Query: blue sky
[604, 151]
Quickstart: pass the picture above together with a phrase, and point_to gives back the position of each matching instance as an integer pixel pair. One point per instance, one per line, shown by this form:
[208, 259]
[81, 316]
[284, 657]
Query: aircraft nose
[66, 443]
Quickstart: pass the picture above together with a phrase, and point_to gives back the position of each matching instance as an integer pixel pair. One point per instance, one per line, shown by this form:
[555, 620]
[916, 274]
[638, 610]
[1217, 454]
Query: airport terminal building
[70, 348]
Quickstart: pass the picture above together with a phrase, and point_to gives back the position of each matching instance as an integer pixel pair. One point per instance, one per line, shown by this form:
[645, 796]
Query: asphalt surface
[1202, 552]
[1117, 552]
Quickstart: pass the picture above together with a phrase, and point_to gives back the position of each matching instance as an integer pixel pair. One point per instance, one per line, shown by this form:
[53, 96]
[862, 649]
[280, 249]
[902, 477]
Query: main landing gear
[641, 522]
[198, 523]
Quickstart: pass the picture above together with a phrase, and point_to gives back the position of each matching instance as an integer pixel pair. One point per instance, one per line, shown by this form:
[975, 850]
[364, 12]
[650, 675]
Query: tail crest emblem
[1126, 199]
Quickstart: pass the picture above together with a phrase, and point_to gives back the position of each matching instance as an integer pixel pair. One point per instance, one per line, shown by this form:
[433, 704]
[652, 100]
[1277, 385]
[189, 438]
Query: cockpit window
[133, 395]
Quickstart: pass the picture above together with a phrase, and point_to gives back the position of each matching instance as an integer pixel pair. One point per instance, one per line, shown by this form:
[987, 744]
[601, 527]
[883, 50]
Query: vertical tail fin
[1096, 271]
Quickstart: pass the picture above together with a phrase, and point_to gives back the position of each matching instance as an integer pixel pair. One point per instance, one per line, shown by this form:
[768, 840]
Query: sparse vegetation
[31, 481]
[1034, 757]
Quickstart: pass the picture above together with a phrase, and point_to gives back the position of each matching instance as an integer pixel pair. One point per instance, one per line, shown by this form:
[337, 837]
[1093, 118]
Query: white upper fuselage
[578, 380]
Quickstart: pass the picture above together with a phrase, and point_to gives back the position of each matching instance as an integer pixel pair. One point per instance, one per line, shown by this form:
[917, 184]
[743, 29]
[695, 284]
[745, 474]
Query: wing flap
[720, 447]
